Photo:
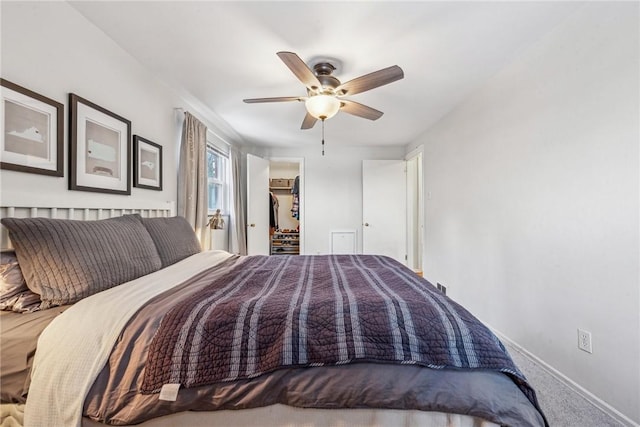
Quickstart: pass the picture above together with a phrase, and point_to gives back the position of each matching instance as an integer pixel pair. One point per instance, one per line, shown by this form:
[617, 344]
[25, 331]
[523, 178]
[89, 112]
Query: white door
[414, 212]
[384, 208]
[257, 205]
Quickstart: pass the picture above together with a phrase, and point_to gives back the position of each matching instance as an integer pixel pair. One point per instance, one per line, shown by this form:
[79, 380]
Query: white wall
[333, 190]
[51, 49]
[532, 219]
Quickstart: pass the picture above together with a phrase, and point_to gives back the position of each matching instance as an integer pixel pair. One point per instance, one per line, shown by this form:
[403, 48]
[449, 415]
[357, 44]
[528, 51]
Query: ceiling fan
[325, 92]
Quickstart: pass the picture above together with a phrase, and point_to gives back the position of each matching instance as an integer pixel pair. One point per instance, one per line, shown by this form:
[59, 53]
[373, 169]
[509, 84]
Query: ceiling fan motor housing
[323, 71]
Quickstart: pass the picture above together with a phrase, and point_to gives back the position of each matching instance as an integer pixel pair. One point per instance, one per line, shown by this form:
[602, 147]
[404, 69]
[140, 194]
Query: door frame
[418, 258]
[302, 210]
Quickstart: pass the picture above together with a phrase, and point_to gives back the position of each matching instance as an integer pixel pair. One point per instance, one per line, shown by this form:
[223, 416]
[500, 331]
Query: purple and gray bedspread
[292, 329]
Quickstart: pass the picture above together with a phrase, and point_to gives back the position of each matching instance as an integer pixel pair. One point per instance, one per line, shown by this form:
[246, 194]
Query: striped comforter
[265, 313]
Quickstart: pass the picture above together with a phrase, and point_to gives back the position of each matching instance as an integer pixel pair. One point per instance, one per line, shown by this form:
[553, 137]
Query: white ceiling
[222, 52]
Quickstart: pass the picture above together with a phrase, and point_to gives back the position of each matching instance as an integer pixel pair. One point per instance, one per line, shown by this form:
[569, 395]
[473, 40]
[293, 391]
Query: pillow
[66, 260]
[174, 238]
[14, 293]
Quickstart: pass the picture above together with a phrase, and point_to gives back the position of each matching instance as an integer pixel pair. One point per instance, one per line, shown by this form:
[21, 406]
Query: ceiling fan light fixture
[322, 106]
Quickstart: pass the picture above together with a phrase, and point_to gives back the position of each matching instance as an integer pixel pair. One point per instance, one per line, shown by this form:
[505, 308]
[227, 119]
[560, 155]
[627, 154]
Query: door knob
[366, 224]
[252, 225]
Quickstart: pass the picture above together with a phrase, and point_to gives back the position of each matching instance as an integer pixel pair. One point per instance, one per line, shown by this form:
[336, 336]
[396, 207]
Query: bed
[137, 326]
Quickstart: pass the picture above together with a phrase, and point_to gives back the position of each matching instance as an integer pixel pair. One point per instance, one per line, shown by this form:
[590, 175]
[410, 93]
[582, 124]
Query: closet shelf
[285, 243]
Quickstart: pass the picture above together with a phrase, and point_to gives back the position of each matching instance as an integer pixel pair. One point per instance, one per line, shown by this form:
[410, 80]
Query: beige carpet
[562, 406]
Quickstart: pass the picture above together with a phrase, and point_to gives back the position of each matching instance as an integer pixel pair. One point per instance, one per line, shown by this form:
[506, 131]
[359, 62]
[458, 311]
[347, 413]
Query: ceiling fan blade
[277, 99]
[300, 69]
[360, 110]
[371, 81]
[308, 122]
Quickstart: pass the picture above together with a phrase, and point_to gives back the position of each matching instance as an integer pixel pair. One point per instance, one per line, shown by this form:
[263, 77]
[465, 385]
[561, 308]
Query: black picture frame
[99, 148]
[147, 164]
[33, 135]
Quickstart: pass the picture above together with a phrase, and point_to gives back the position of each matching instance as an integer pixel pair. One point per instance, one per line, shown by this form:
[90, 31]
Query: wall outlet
[441, 288]
[584, 341]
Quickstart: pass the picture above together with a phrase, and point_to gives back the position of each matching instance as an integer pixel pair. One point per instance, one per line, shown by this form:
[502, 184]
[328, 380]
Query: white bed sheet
[11, 415]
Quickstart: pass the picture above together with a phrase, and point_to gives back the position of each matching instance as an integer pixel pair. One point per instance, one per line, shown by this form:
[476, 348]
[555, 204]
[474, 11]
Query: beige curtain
[237, 219]
[193, 201]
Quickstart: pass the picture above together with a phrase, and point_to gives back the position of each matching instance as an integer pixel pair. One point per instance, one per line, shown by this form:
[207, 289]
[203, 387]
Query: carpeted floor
[562, 406]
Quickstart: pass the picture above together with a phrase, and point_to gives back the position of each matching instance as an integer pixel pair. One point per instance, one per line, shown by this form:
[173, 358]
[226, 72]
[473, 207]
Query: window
[218, 180]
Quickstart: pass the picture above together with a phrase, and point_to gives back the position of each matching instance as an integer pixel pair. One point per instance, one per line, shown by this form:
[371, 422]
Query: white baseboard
[590, 397]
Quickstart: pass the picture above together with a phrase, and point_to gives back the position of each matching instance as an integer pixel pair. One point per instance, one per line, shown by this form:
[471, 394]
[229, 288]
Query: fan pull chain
[323, 137]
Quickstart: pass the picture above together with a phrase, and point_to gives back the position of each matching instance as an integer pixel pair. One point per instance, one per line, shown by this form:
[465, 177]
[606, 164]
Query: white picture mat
[50, 163]
[155, 182]
[86, 113]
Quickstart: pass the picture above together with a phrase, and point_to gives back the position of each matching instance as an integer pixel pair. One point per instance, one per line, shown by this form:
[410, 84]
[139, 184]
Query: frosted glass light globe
[322, 106]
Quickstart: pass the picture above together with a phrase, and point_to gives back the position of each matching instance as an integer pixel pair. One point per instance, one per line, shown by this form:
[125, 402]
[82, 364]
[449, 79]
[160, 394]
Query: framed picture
[100, 143]
[147, 164]
[32, 131]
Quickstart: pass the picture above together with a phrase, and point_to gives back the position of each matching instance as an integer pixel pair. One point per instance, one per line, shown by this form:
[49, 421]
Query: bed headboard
[150, 210]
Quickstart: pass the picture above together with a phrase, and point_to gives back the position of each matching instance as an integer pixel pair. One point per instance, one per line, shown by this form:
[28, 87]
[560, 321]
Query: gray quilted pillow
[174, 238]
[66, 260]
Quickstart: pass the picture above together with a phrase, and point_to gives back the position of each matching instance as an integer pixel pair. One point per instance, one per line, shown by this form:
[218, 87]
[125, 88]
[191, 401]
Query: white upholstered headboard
[150, 210]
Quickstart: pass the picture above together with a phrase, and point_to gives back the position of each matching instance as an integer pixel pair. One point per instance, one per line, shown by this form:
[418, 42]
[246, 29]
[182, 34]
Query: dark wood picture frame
[103, 164]
[147, 164]
[33, 123]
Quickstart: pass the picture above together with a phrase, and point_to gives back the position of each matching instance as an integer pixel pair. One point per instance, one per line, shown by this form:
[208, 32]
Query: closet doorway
[285, 191]
[275, 227]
